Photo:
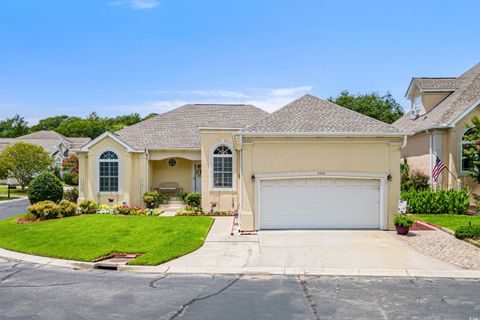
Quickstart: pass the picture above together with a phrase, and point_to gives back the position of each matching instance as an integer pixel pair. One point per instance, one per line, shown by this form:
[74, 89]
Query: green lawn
[5, 198]
[13, 193]
[88, 237]
[449, 221]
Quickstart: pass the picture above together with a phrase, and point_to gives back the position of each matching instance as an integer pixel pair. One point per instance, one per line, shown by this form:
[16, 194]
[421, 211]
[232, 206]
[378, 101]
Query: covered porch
[174, 172]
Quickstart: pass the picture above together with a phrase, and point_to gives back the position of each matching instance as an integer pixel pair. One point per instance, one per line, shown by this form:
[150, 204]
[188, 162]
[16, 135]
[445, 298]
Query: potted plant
[403, 223]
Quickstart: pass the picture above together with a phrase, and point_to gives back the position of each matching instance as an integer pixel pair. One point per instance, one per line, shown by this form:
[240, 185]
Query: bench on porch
[169, 188]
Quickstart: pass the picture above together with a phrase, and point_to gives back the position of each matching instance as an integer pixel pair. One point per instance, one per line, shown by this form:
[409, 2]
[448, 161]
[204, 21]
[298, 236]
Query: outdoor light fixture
[389, 177]
[253, 177]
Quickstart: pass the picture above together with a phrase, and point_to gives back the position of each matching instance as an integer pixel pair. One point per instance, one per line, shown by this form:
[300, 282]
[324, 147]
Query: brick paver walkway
[444, 247]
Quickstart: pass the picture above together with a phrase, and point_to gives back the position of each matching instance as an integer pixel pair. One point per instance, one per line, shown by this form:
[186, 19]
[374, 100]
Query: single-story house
[57, 145]
[309, 165]
[440, 110]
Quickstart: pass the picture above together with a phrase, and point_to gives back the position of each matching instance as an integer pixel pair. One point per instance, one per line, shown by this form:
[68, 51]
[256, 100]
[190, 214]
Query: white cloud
[269, 99]
[136, 4]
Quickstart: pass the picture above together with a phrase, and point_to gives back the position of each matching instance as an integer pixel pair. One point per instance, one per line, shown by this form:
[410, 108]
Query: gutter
[325, 134]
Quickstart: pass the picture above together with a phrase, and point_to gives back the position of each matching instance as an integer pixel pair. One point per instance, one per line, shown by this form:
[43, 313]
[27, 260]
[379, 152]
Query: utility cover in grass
[89, 237]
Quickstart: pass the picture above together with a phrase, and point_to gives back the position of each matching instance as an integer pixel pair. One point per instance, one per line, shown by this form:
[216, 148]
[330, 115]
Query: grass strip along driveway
[449, 221]
[89, 237]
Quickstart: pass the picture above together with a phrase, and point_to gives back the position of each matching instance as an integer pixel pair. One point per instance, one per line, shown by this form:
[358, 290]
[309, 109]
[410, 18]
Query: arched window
[464, 145]
[222, 167]
[108, 172]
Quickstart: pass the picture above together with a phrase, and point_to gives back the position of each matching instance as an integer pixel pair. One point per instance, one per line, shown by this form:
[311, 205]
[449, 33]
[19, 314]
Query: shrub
[150, 198]
[71, 195]
[182, 196]
[68, 208]
[403, 220]
[70, 178]
[412, 180]
[468, 232]
[193, 199]
[437, 202]
[88, 206]
[46, 186]
[45, 210]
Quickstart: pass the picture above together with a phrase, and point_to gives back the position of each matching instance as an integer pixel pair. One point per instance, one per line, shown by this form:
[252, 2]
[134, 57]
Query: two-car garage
[320, 203]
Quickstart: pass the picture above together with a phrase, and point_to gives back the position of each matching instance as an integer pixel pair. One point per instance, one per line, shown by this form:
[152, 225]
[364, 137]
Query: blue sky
[122, 56]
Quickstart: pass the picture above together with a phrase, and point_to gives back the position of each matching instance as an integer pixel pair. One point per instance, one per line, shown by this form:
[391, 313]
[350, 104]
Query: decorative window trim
[234, 167]
[172, 162]
[461, 143]
[97, 173]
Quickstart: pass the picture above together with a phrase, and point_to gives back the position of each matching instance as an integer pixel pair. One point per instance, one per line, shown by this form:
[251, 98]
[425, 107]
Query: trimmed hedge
[468, 232]
[437, 202]
[46, 186]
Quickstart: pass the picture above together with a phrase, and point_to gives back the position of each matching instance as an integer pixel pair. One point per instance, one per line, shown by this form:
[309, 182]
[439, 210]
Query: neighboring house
[311, 164]
[57, 145]
[441, 108]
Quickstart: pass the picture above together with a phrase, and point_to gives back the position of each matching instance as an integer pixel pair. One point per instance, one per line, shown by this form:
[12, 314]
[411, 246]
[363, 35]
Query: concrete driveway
[303, 251]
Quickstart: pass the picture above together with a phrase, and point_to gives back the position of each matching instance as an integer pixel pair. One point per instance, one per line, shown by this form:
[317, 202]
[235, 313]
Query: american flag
[439, 166]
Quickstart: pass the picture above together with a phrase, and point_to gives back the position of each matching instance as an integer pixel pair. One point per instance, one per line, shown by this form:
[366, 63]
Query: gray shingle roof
[467, 94]
[178, 128]
[310, 114]
[436, 83]
[49, 140]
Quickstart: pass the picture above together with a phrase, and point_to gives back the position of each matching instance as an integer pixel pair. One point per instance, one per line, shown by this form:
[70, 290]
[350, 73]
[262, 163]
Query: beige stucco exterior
[349, 156]
[141, 171]
[446, 143]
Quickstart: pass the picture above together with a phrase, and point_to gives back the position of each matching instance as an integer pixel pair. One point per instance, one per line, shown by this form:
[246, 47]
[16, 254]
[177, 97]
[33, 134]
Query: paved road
[10, 209]
[39, 292]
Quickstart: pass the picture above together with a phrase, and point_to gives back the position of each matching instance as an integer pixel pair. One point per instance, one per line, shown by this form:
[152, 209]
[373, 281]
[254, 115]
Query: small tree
[3, 171]
[472, 151]
[70, 164]
[24, 161]
[46, 186]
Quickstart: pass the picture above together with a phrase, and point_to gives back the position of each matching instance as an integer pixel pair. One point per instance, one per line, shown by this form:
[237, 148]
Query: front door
[197, 177]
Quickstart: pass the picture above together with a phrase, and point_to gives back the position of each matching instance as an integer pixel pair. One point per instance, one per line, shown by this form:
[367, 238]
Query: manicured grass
[5, 198]
[89, 237]
[449, 221]
[13, 192]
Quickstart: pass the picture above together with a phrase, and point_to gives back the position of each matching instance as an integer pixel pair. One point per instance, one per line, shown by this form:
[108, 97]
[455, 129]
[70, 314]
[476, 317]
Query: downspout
[404, 142]
[241, 180]
[148, 171]
[430, 156]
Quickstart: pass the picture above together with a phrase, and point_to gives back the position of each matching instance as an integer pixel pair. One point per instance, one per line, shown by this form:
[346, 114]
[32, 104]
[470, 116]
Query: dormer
[426, 93]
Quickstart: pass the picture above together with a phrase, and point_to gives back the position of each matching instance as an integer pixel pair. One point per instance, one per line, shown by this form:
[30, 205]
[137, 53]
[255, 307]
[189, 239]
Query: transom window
[222, 167]
[465, 144]
[108, 172]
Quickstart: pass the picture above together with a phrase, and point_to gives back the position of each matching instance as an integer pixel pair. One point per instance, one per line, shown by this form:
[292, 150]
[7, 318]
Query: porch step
[174, 201]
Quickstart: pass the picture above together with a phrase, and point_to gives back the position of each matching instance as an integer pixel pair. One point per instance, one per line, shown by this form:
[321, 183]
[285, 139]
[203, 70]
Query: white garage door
[319, 203]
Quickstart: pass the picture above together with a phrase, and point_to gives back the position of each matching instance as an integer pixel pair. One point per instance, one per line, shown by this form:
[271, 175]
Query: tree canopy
[383, 108]
[13, 127]
[24, 161]
[91, 126]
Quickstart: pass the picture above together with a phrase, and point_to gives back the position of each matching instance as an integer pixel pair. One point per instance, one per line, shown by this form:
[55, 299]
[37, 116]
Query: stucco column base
[246, 221]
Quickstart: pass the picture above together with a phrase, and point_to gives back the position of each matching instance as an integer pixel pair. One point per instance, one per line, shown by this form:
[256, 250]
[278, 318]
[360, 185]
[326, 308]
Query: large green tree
[471, 152]
[13, 127]
[383, 108]
[24, 161]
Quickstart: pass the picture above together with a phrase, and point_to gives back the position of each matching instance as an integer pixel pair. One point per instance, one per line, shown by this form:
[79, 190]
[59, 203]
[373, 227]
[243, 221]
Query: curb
[165, 269]
[13, 200]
